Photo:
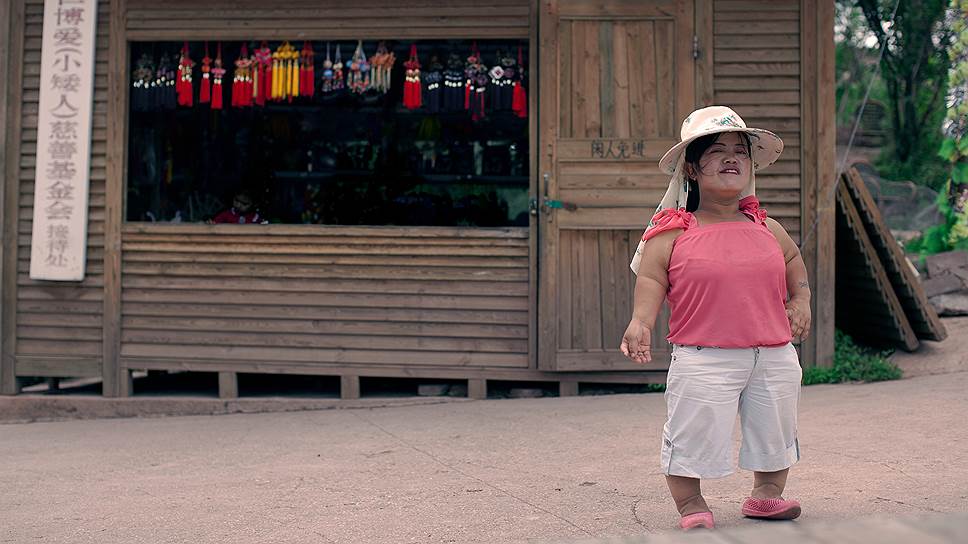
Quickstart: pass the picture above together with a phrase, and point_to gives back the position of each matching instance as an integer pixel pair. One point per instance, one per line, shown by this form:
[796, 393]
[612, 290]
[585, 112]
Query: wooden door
[616, 79]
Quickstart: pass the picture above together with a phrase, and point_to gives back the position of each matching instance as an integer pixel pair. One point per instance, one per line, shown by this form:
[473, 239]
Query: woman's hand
[798, 312]
[637, 342]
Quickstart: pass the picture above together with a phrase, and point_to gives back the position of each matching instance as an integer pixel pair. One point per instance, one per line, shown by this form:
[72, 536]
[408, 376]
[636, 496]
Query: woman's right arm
[650, 290]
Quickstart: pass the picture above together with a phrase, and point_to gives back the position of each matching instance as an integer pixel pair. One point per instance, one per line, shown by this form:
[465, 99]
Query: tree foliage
[913, 69]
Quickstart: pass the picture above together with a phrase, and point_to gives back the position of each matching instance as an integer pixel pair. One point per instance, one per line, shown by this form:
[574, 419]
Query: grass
[853, 363]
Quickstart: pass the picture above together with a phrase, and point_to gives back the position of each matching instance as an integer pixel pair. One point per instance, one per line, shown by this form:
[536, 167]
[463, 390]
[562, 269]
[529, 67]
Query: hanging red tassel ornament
[242, 81]
[183, 87]
[217, 73]
[519, 100]
[307, 71]
[476, 77]
[205, 93]
[412, 97]
[262, 75]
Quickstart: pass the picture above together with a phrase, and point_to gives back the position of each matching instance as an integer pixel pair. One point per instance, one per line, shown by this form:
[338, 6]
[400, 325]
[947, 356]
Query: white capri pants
[707, 386]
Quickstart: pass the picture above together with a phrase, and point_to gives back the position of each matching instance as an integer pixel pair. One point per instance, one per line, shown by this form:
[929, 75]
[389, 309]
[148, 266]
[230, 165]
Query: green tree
[914, 70]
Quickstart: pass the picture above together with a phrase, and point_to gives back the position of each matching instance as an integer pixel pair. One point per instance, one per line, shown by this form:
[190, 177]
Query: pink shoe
[699, 519]
[778, 508]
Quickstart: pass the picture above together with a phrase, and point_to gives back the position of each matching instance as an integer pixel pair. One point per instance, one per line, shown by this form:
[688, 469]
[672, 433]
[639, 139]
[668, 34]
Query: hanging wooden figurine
[183, 87]
[205, 90]
[262, 75]
[307, 71]
[475, 84]
[217, 74]
[412, 96]
[519, 100]
[339, 81]
[433, 81]
[142, 78]
[358, 77]
[242, 80]
[500, 83]
[453, 99]
[381, 65]
[327, 80]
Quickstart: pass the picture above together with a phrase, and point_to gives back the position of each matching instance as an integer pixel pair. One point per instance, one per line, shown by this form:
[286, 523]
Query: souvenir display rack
[433, 132]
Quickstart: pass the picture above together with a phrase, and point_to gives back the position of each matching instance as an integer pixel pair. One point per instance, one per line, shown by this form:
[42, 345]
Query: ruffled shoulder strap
[751, 207]
[669, 219]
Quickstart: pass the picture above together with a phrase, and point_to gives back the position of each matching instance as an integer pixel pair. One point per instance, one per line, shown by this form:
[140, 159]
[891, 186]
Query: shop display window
[286, 132]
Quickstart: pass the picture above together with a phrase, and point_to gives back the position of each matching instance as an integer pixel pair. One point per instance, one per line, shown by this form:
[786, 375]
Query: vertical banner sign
[59, 238]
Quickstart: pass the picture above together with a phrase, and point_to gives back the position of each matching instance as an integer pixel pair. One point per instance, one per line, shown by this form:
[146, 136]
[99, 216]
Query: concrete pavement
[538, 470]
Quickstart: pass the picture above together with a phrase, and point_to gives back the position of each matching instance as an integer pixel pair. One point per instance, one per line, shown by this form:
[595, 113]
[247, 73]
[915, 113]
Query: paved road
[540, 470]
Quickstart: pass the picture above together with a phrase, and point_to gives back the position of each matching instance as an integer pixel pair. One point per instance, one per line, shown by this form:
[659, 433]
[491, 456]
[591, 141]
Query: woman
[738, 293]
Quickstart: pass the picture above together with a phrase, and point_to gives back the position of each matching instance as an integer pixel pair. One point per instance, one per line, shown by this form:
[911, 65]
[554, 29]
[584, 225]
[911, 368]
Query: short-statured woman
[738, 294]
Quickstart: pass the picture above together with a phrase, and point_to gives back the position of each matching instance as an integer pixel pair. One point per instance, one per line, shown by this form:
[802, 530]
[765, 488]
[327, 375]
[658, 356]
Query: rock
[432, 389]
[951, 303]
[523, 393]
[458, 391]
[941, 262]
[944, 283]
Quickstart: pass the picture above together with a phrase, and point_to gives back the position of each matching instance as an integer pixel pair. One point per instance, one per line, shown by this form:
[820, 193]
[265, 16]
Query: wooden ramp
[879, 298]
[924, 319]
[867, 307]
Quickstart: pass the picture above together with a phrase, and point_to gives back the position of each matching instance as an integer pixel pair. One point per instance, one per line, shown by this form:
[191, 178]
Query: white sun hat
[766, 149]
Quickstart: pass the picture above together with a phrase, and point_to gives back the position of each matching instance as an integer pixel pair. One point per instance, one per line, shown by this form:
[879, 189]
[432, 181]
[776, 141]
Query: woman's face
[724, 168]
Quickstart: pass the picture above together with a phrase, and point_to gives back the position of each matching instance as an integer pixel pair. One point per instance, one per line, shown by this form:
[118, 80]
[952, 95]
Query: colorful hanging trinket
[433, 80]
[327, 80]
[165, 95]
[307, 71]
[217, 74]
[183, 87]
[358, 78]
[381, 65]
[453, 99]
[475, 84]
[262, 75]
[285, 84]
[339, 81]
[205, 92]
[501, 82]
[412, 96]
[519, 101]
[242, 81]
[142, 80]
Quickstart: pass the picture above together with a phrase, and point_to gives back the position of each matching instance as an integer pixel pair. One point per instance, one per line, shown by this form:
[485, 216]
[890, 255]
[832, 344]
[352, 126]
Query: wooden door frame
[548, 247]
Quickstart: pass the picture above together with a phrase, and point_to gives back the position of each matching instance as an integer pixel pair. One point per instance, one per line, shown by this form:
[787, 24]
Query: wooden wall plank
[665, 83]
[579, 95]
[591, 69]
[566, 79]
[620, 80]
[208, 310]
[641, 121]
[566, 264]
[606, 82]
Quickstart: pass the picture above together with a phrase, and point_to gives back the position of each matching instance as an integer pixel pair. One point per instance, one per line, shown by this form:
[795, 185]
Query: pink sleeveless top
[727, 281]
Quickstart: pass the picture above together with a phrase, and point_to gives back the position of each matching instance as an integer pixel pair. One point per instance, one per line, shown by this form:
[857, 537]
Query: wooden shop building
[432, 242]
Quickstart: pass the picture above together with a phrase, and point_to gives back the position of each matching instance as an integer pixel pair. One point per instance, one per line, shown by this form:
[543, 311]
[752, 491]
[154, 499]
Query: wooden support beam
[818, 174]
[112, 373]
[568, 389]
[477, 389]
[228, 385]
[11, 103]
[349, 387]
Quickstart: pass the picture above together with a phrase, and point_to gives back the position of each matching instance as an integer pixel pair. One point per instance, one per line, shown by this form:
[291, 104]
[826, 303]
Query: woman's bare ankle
[692, 505]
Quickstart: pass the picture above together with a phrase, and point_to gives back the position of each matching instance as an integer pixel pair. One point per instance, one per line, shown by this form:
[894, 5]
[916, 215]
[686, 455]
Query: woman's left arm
[798, 286]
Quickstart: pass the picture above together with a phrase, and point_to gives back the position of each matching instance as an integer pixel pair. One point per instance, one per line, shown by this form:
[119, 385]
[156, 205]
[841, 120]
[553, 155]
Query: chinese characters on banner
[618, 149]
[58, 241]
